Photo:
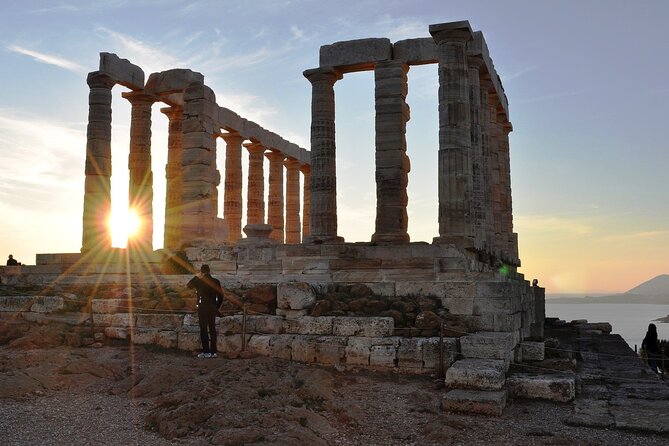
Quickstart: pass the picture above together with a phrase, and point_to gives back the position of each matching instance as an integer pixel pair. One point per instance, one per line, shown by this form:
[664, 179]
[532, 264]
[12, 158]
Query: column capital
[139, 98]
[98, 79]
[232, 138]
[291, 163]
[486, 84]
[475, 62]
[451, 32]
[254, 147]
[323, 74]
[275, 156]
[173, 112]
[305, 168]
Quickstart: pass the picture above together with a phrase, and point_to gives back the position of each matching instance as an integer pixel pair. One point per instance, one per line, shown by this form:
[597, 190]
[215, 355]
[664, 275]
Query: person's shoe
[213, 355]
[204, 355]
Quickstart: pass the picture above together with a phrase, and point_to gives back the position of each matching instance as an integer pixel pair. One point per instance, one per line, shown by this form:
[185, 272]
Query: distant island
[653, 291]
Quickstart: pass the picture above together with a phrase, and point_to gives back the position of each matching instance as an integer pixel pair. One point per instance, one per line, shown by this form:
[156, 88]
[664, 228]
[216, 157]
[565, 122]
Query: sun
[123, 225]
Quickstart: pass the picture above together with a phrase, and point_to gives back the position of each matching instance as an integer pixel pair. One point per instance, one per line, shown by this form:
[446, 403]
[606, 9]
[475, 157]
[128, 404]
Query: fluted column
[474, 64]
[173, 178]
[486, 165]
[306, 200]
[510, 240]
[495, 138]
[323, 156]
[275, 196]
[140, 190]
[292, 200]
[232, 198]
[455, 159]
[392, 163]
[255, 200]
[97, 188]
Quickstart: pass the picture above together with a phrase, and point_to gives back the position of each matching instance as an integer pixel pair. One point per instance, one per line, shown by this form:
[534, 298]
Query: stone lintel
[172, 81]
[356, 55]
[122, 71]
[451, 31]
[415, 51]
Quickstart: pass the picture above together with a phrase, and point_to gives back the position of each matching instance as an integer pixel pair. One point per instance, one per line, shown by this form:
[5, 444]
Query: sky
[586, 82]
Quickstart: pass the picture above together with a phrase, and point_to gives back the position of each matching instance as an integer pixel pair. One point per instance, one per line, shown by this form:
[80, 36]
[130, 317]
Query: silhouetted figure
[535, 282]
[209, 299]
[11, 261]
[652, 347]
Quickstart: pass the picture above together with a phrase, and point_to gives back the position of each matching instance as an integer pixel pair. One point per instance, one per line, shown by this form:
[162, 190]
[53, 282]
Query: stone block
[498, 305]
[477, 374]
[487, 345]
[304, 349]
[114, 320]
[415, 51]
[291, 314]
[230, 344]
[331, 350]
[475, 401]
[229, 325]
[363, 326]
[281, 346]
[494, 289]
[458, 305]
[229, 120]
[173, 81]
[47, 304]
[295, 296]
[167, 339]
[507, 322]
[164, 321]
[410, 353]
[16, 303]
[355, 55]
[363, 276]
[109, 305]
[268, 324]
[308, 325]
[384, 354]
[116, 332]
[450, 289]
[143, 335]
[358, 351]
[430, 349]
[532, 351]
[546, 387]
[260, 344]
[122, 71]
[189, 341]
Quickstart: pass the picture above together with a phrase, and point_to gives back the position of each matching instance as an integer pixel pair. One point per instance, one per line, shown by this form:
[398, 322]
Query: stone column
[97, 188]
[232, 198]
[509, 239]
[392, 163]
[255, 200]
[173, 178]
[292, 200]
[486, 164]
[495, 137]
[474, 64]
[275, 196]
[306, 203]
[140, 190]
[455, 159]
[323, 156]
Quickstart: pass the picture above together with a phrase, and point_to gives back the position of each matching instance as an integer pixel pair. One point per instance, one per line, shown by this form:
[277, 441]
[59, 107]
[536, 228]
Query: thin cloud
[552, 224]
[48, 59]
[547, 97]
[511, 77]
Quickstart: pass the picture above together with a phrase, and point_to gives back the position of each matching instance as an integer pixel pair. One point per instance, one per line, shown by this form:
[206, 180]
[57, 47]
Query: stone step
[484, 402]
[477, 374]
[488, 345]
[542, 387]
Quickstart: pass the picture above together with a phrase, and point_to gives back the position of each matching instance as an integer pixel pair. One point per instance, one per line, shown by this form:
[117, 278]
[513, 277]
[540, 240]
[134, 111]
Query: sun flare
[123, 225]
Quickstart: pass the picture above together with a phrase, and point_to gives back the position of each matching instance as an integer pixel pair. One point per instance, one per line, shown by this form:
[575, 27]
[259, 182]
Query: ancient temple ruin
[381, 303]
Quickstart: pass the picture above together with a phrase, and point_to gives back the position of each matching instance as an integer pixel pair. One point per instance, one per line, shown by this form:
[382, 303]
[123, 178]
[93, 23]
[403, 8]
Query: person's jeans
[207, 318]
[652, 361]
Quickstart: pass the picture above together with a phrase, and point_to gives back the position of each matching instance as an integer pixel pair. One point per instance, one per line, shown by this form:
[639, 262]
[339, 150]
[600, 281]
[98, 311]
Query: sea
[628, 320]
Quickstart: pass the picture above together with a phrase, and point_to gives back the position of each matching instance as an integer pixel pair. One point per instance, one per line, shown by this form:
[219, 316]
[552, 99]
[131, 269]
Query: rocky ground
[118, 394]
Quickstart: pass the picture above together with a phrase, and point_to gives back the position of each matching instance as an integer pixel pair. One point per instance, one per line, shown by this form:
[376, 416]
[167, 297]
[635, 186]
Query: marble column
[232, 198]
[486, 164]
[392, 163]
[173, 178]
[255, 200]
[474, 64]
[495, 138]
[275, 196]
[455, 175]
[509, 239]
[97, 187]
[292, 200]
[306, 200]
[323, 156]
[140, 190]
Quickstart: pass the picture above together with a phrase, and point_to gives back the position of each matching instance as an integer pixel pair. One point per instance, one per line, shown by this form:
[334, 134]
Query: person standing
[652, 347]
[209, 300]
[11, 261]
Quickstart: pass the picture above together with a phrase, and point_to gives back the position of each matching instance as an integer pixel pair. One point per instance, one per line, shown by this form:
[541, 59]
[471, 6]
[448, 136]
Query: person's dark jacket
[650, 343]
[209, 292]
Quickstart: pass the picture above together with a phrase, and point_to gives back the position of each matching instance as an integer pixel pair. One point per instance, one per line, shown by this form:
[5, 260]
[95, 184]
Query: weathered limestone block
[164, 321]
[190, 322]
[268, 324]
[144, 335]
[47, 304]
[167, 339]
[189, 341]
[410, 353]
[109, 305]
[487, 345]
[430, 349]
[547, 387]
[304, 348]
[415, 51]
[331, 350]
[458, 305]
[230, 344]
[383, 352]
[171, 81]
[229, 120]
[477, 374]
[308, 325]
[16, 303]
[363, 326]
[358, 350]
[475, 401]
[448, 289]
[260, 344]
[499, 305]
[122, 71]
[122, 320]
[532, 351]
[603, 327]
[295, 296]
[355, 54]
[116, 332]
[232, 324]
[291, 314]
[281, 346]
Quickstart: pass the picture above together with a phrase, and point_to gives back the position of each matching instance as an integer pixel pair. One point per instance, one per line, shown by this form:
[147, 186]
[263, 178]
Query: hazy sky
[587, 83]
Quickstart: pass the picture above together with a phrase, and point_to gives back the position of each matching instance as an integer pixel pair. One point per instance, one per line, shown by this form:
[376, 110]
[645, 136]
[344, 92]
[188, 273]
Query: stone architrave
[232, 198]
[474, 64]
[306, 203]
[455, 159]
[140, 190]
[173, 177]
[486, 164]
[255, 200]
[323, 225]
[97, 189]
[392, 163]
[275, 197]
[292, 200]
